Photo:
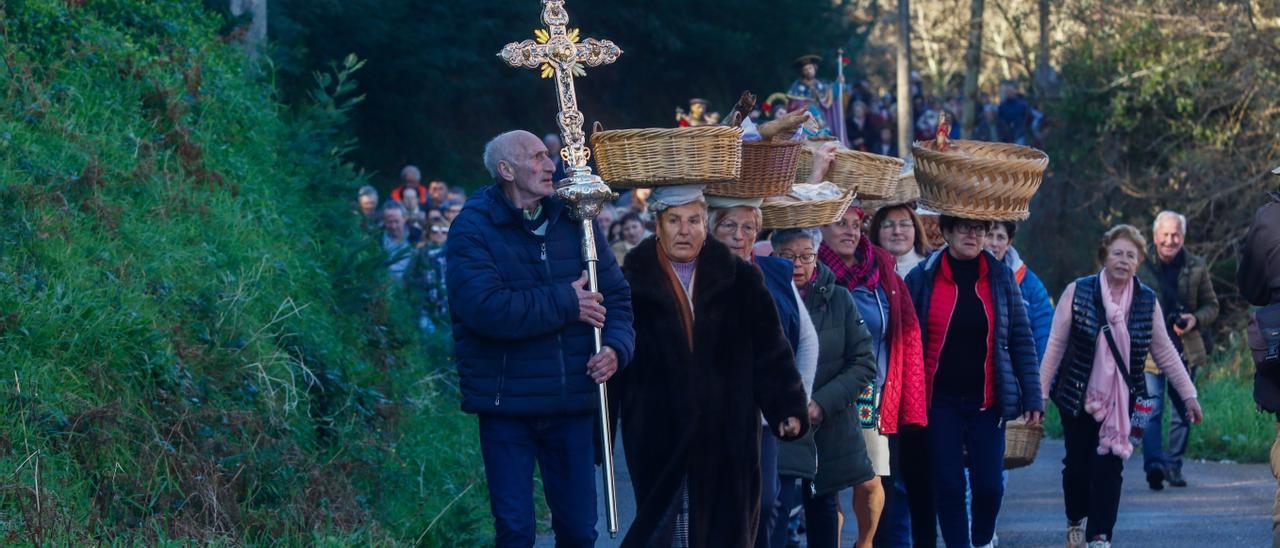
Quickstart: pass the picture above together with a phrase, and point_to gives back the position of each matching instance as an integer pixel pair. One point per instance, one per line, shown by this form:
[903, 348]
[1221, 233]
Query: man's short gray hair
[498, 150]
[406, 171]
[393, 205]
[1182, 220]
[785, 236]
[368, 190]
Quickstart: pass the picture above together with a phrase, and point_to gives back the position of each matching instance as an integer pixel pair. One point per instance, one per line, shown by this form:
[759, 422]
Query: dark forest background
[436, 90]
[1161, 104]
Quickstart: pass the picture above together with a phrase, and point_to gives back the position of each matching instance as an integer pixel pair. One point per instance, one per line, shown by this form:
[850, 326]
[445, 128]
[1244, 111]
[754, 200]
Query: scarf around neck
[683, 298]
[1107, 398]
[864, 273]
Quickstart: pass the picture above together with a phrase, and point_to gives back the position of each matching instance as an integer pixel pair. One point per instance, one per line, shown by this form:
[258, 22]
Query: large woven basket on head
[768, 169]
[1021, 443]
[806, 213]
[908, 191]
[631, 158]
[872, 176]
[979, 180]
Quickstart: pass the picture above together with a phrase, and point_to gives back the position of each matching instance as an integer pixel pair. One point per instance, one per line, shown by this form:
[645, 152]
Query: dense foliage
[198, 341]
[1168, 105]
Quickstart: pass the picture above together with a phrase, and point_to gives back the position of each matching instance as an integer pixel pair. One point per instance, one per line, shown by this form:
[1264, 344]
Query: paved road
[1226, 505]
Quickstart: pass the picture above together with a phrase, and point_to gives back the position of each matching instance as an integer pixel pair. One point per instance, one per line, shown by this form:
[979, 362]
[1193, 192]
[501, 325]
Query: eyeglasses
[1123, 254]
[971, 229]
[733, 228]
[904, 225]
[804, 258]
[439, 230]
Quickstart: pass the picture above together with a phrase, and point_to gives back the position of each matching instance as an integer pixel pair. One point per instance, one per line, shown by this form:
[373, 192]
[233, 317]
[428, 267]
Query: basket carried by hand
[768, 169]
[872, 176]
[630, 158]
[979, 180]
[1021, 443]
[804, 213]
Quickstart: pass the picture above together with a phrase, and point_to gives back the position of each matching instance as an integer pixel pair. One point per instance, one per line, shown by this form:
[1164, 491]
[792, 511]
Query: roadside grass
[198, 342]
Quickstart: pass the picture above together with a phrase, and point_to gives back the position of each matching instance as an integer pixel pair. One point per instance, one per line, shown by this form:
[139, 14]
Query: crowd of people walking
[757, 374]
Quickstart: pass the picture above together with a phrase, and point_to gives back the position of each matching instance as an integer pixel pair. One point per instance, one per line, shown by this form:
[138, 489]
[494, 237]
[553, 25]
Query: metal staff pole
[844, 135]
[587, 193]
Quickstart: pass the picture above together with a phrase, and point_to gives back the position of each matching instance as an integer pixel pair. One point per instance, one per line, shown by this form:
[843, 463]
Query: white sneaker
[1075, 535]
[1099, 544]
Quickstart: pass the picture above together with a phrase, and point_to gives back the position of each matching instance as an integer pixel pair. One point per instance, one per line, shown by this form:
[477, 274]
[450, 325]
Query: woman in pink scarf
[1095, 384]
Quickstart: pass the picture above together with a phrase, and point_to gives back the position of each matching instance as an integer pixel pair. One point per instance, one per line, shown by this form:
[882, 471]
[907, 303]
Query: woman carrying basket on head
[895, 401]
[1093, 371]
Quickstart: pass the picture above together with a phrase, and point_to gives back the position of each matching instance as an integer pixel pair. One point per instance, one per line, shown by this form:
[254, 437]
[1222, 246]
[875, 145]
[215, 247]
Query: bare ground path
[1226, 505]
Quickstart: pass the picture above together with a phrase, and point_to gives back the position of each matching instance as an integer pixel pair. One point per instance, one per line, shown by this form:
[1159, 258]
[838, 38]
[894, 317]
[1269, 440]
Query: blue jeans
[1153, 455]
[895, 522]
[769, 486]
[564, 448]
[958, 425]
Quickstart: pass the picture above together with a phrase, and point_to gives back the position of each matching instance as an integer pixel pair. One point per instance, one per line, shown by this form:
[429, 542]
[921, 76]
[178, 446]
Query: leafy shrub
[199, 341]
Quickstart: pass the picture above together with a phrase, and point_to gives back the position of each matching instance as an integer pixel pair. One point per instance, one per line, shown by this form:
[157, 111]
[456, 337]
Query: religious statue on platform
[697, 115]
[818, 97]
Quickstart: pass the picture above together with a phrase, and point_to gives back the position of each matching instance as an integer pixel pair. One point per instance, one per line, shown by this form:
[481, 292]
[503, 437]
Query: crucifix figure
[557, 52]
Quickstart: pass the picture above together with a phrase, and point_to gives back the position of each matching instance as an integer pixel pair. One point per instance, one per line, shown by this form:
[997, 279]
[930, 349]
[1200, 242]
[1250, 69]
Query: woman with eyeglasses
[735, 222]
[981, 368]
[896, 398]
[900, 231]
[425, 278]
[833, 456]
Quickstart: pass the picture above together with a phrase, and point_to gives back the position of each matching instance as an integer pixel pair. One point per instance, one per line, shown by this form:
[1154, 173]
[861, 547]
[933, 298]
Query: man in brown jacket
[1190, 304]
[1258, 277]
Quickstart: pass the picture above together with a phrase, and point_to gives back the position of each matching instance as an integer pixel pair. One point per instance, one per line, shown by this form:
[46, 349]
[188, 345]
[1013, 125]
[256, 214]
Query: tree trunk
[905, 120]
[972, 65]
[1046, 81]
[256, 36]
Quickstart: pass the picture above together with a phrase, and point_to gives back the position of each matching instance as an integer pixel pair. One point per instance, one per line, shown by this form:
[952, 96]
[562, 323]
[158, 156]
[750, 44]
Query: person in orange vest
[410, 177]
[1039, 306]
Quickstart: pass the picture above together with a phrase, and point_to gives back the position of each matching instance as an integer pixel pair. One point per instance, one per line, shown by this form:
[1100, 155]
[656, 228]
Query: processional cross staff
[557, 52]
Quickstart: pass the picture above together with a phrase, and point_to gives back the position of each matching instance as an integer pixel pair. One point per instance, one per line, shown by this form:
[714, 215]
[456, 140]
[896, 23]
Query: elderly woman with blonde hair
[1104, 327]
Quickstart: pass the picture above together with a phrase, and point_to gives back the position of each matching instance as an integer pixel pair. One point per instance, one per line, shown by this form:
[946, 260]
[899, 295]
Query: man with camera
[1258, 277]
[1186, 295]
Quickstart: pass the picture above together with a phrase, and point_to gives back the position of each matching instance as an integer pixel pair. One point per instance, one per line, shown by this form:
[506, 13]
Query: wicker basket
[768, 169]
[805, 214]
[1021, 443]
[872, 176]
[979, 180]
[630, 158]
[908, 191]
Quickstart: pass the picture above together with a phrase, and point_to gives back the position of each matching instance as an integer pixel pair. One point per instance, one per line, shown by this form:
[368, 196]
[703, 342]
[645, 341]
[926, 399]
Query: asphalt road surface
[1227, 505]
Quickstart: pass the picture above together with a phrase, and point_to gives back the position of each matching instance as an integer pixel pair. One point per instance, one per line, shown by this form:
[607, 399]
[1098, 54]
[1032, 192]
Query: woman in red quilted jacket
[896, 401]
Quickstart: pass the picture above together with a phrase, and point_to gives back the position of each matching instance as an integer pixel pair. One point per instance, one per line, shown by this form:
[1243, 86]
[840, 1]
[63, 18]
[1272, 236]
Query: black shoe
[1176, 479]
[1155, 479]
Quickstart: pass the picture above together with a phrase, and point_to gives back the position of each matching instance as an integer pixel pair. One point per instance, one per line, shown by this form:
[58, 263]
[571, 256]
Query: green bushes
[196, 338]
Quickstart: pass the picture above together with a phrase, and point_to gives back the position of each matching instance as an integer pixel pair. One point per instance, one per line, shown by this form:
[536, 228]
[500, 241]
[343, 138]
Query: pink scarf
[1107, 398]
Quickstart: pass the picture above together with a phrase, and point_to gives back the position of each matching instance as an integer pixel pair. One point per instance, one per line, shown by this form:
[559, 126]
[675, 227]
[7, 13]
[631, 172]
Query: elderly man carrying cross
[522, 326]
